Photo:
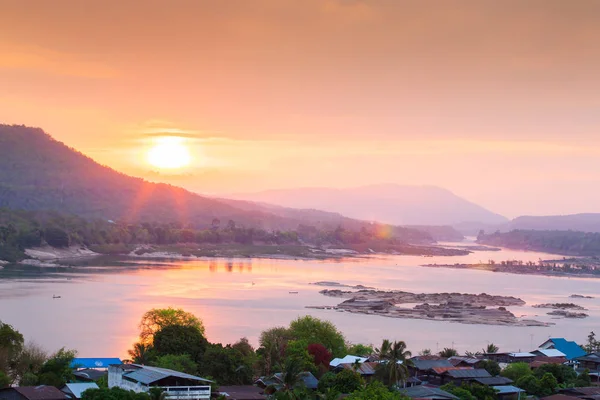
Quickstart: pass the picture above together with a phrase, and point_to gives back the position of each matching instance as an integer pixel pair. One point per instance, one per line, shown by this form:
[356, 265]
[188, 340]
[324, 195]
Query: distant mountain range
[40, 173]
[575, 222]
[389, 203]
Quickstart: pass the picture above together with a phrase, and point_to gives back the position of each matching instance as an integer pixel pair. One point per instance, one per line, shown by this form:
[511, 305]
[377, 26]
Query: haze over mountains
[389, 203]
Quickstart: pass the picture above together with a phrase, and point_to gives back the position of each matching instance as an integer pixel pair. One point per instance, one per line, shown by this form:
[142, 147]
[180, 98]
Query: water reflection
[102, 301]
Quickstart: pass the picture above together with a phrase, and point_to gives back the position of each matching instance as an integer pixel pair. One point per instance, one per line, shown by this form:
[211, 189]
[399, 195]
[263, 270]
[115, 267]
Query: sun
[169, 152]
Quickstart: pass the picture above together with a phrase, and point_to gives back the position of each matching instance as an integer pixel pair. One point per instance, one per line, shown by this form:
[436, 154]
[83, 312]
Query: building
[141, 378]
[32, 393]
[94, 363]
[89, 374]
[508, 358]
[550, 353]
[427, 392]
[246, 392]
[510, 393]
[460, 375]
[472, 362]
[349, 359]
[276, 381]
[365, 369]
[570, 349]
[75, 390]
[590, 361]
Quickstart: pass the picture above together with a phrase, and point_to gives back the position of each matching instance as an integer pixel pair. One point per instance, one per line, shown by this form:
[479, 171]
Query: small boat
[55, 296]
[293, 292]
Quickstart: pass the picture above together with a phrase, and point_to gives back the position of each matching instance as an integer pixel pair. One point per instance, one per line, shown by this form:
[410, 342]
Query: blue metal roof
[148, 375]
[570, 349]
[94, 362]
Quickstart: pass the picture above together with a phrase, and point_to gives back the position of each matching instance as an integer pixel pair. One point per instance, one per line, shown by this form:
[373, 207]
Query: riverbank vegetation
[20, 230]
[558, 242]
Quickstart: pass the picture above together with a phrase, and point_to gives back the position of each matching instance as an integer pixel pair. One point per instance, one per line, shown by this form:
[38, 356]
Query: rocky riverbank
[454, 307]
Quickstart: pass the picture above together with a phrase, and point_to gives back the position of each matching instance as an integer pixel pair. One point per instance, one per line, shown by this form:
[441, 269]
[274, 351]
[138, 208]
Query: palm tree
[490, 349]
[447, 353]
[291, 377]
[393, 362]
[140, 354]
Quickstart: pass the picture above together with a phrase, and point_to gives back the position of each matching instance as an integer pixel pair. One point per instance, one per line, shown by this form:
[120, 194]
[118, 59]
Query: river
[100, 307]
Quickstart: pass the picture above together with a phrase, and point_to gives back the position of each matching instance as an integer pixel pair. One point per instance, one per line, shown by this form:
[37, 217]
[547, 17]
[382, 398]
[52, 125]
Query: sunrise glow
[169, 152]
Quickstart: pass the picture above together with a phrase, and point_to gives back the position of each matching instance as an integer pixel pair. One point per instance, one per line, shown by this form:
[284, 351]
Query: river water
[100, 307]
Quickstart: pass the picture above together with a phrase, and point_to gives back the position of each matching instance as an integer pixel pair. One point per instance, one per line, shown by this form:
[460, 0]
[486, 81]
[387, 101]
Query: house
[94, 363]
[349, 359]
[582, 392]
[493, 381]
[365, 369]
[32, 393]
[89, 374]
[509, 392]
[246, 392]
[550, 353]
[176, 385]
[427, 392]
[570, 349]
[458, 376]
[459, 361]
[521, 357]
[590, 361]
[276, 381]
[75, 390]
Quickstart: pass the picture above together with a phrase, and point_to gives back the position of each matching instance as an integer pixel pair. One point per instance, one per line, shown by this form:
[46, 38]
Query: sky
[498, 101]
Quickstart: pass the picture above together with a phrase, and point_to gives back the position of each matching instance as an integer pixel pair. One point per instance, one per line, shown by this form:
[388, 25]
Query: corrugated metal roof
[468, 373]
[550, 352]
[94, 362]
[148, 375]
[508, 389]
[307, 378]
[521, 355]
[441, 370]
[39, 392]
[494, 381]
[426, 392]
[349, 359]
[77, 389]
[366, 368]
[424, 365]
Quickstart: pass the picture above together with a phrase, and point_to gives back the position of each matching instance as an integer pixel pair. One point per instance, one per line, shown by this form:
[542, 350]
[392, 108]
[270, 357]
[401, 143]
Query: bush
[56, 237]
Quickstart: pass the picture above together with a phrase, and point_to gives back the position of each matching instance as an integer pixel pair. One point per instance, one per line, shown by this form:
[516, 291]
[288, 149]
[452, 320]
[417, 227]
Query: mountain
[393, 204]
[575, 222]
[40, 173]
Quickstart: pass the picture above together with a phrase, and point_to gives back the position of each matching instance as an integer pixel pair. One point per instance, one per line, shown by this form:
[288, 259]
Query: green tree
[360, 350]
[177, 362]
[298, 350]
[562, 373]
[56, 237]
[314, 330]
[5, 380]
[517, 371]
[113, 394]
[461, 392]
[548, 385]
[491, 366]
[529, 383]
[375, 390]
[180, 339]
[273, 343]
[490, 349]
[326, 382]
[57, 370]
[142, 353]
[447, 353]
[393, 368]
[227, 364]
[592, 344]
[291, 378]
[159, 318]
[11, 345]
[29, 363]
[583, 380]
[347, 381]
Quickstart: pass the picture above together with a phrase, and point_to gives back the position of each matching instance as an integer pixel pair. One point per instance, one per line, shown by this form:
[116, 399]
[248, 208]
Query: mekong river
[100, 307]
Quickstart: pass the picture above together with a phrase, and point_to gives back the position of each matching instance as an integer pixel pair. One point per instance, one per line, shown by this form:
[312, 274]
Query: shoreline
[514, 269]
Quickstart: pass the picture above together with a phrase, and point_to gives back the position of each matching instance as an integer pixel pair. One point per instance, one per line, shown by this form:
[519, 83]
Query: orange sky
[498, 101]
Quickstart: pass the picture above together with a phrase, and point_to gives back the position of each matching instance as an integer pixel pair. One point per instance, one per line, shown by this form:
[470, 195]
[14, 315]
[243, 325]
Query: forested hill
[558, 242]
[40, 173]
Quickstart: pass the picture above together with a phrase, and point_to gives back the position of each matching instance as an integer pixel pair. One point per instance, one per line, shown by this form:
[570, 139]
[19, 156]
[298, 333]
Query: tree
[273, 343]
[5, 380]
[227, 364]
[592, 344]
[159, 318]
[56, 237]
[298, 350]
[562, 373]
[29, 363]
[360, 350]
[115, 393]
[548, 385]
[142, 353]
[530, 384]
[179, 362]
[314, 330]
[490, 349]
[375, 390]
[180, 339]
[491, 366]
[291, 377]
[394, 357]
[517, 371]
[425, 352]
[461, 392]
[447, 353]
[326, 382]
[57, 370]
[583, 380]
[11, 345]
[347, 381]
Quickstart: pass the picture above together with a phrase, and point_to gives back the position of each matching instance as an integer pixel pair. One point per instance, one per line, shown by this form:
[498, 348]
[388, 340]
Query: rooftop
[349, 359]
[570, 349]
[425, 365]
[38, 392]
[148, 375]
[550, 352]
[508, 389]
[246, 392]
[77, 389]
[427, 392]
[468, 373]
[94, 362]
